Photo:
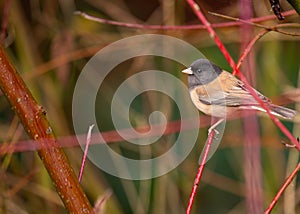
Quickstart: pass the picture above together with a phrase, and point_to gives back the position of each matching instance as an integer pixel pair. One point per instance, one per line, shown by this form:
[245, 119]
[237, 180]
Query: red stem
[284, 186]
[200, 171]
[249, 46]
[236, 71]
[222, 48]
[112, 136]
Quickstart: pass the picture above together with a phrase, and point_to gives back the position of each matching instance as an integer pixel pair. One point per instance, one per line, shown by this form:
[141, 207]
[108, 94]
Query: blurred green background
[49, 45]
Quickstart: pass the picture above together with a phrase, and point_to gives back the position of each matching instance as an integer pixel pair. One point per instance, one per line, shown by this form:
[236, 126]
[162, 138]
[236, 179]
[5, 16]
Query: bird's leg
[213, 127]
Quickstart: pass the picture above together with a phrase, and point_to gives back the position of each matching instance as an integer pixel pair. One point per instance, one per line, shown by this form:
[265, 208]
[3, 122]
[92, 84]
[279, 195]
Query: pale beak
[187, 71]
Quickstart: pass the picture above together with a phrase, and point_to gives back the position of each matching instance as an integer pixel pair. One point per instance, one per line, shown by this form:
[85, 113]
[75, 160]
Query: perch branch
[237, 72]
[200, 171]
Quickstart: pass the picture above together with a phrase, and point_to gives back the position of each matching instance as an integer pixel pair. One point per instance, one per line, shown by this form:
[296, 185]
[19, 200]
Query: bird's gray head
[202, 72]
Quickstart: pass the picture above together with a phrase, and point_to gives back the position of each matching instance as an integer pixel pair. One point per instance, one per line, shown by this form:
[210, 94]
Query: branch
[274, 28]
[284, 186]
[200, 171]
[170, 27]
[115, 136]
[237, 72]
[33, 118]
[249, 46]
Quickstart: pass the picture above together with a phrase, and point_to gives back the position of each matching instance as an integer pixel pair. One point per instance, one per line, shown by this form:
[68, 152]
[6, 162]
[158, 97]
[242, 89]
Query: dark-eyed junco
[218, 93]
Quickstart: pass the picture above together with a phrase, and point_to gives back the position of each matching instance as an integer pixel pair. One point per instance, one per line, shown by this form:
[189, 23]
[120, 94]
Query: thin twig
[249, 47]
[88, 140]
[168, 27]
[269, 28]
[200, 171]
[237, 19]
[283, 187]
[114, 136]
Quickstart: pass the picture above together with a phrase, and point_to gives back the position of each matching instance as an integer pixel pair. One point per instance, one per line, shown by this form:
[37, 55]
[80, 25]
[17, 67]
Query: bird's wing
[229, 91]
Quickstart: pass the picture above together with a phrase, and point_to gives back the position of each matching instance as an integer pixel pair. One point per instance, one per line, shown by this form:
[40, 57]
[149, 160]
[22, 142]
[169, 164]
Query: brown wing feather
[227, 90]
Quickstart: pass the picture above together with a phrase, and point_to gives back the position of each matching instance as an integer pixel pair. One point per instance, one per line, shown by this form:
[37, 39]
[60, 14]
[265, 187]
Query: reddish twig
[114, 136]
[110, 136]
[249, 47]
[284, 186]
[264, 106]
[222, 48]
[211, 32]
[35, 123]
[88, 141]
[236, 71]
[274, 28]
[200, 171]
[168, 27]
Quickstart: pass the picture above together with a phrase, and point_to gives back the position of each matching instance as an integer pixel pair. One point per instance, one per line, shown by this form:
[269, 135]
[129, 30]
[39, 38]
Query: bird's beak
[187, 71]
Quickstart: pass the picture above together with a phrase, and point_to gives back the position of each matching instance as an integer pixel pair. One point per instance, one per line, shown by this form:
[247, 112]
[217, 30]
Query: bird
[218, 93]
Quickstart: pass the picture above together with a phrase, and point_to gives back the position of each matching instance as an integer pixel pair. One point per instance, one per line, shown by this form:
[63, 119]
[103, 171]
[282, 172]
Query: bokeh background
[49, 45]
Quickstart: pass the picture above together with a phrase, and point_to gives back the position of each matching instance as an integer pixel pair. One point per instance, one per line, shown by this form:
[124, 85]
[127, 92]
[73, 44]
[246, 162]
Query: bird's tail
[282, 111]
